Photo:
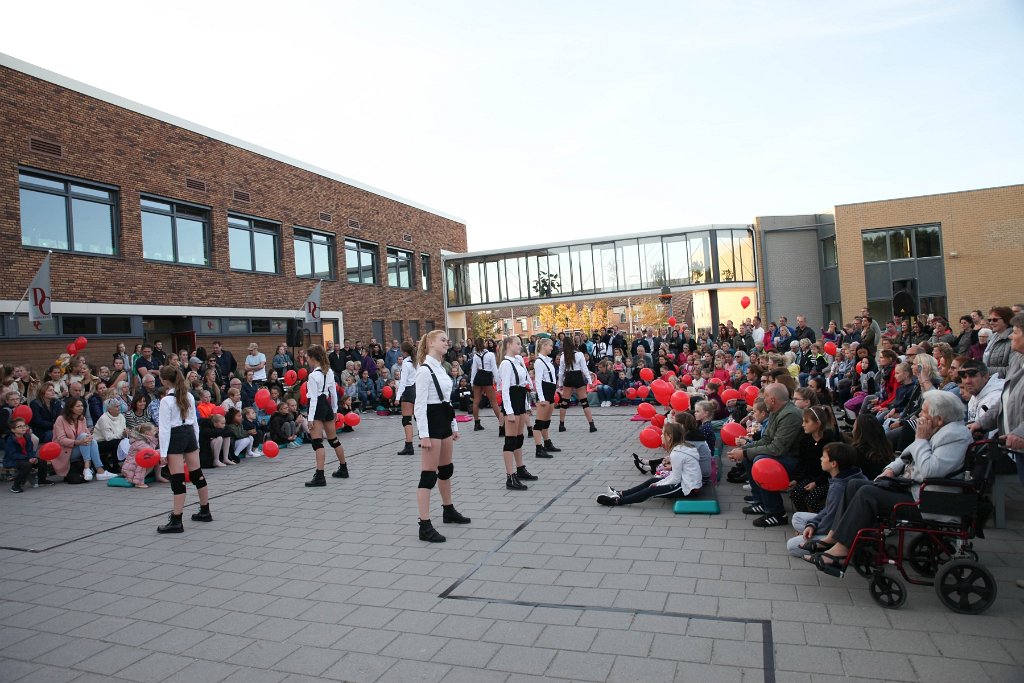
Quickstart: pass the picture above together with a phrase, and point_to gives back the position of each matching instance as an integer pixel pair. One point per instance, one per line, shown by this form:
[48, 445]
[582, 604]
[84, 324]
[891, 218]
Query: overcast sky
[541, 121]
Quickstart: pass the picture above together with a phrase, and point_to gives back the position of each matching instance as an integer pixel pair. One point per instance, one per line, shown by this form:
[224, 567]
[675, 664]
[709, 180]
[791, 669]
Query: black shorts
[548, 391]
[439, 420]
[323, 411]
[409, 395]
[483, 378]
[517, 395]
[574, 379]
[183, 440]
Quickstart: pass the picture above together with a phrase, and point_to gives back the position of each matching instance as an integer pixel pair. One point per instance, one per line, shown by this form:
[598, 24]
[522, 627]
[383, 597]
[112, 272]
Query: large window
[921, 241]
[253, 245]
[75, 325]
[399, 268]
[175, 232]
[361, 262]
[67, 215]
[377, 327]
[314, 254]
[699, 245]
[425, 272]
[628, 264]
[396, 333]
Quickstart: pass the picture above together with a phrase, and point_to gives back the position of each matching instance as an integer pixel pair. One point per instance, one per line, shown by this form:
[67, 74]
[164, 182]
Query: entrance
[169, 329]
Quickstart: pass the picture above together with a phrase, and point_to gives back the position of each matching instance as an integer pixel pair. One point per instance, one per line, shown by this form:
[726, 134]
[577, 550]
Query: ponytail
[173, 375]
[507, 342]
[423, 348]
[410, 351]
[318, 355]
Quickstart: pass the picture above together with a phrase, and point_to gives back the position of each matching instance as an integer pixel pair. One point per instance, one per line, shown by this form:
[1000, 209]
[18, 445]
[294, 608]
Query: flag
[39, 294]
[312, 305]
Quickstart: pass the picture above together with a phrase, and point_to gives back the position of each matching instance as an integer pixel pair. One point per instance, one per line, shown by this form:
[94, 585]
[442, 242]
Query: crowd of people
[833, 407]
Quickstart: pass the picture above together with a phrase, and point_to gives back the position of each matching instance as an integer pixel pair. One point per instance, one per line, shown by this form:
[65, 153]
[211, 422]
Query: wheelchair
[937, 543]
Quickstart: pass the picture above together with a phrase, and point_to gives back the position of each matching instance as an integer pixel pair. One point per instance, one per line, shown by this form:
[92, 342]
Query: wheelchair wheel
[887, 591]
[926, 555]
[966, 587]
[863, 560]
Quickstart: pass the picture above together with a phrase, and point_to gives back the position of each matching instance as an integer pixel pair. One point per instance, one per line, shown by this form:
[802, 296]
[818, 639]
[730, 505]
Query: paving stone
[581, 666]
[466, 653]
[262, 654]
[311, 661]
[518, 659]
[880, 665]
[152, 668]
[359, 667]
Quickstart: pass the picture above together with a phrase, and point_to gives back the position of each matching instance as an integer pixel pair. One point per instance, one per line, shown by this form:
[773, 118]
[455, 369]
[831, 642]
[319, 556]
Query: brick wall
[985, 228]
[138, 154]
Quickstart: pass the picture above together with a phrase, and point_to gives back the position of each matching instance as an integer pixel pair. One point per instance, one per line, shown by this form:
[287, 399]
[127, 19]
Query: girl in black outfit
[481, 376]
[546, 383]
[322, 392]
[435, 420]
[573, 377]
[179, 443]
[407, 395]
[811, 482]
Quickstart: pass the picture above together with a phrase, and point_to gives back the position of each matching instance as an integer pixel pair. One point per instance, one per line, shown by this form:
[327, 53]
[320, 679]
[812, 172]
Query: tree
[547, 284]
[601, 315]
[564, 316]
[483, 325]
[649, 313]
[546, 315]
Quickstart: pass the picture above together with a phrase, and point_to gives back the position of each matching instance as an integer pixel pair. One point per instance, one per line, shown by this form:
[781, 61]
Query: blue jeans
[606, 393]
[88, 452]
[772, 500]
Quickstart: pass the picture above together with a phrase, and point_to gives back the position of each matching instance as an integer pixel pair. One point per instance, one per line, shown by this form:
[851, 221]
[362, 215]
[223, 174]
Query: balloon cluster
[265, 402]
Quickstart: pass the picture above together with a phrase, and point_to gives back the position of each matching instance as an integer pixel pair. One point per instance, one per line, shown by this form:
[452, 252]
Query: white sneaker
[103, 476]
[258, 453]
[746, 487]
[87, 474]
[612, 492]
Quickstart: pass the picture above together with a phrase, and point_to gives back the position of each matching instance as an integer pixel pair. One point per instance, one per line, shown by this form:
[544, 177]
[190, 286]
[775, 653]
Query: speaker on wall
[904, 297]
[296, 333]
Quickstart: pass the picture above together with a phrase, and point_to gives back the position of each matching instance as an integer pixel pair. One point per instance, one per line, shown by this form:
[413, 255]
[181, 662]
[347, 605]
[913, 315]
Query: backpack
[76, 472]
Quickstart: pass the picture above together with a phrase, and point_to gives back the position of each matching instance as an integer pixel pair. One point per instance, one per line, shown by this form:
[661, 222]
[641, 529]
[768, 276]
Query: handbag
[895, 484]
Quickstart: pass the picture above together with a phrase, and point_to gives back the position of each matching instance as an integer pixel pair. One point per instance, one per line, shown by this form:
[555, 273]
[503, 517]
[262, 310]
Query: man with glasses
[984, 390]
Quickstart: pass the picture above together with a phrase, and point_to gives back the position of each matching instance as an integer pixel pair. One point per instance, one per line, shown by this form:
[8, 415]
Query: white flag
[39, 298]
[312, 305]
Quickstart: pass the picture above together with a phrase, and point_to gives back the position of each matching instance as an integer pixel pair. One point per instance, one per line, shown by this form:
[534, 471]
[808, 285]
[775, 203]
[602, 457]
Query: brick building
[161, 228]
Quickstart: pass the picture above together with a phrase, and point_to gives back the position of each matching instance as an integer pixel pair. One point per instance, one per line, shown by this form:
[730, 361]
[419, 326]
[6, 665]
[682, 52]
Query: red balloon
[670, 356]
[730, 395]
[218, 410]
[745, 301]
[770, 474]
[188, 479]
[268, 405]
[646, 374]
[672, 321]
[680, 401]
[630, 393]
[660, 385]
[731, 431]
[290, 377]
[81, 343]
[271, 449]
[663, 397]
[303, 373]
[387, 392]
[651, 438]
[830, 348]
[352, 419]
[303, 399]
[24, 412]
[71, 349]
[49, 451]
[743, 387]
[262, 395]
[339, 421]
[658, 421]
[687, 380]
[751, 395]
[645, 410]
[147, 458]
[643, 392]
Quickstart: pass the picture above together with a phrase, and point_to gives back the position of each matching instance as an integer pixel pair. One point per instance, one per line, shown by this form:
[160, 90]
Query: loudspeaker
[904, 297]
[296, 333]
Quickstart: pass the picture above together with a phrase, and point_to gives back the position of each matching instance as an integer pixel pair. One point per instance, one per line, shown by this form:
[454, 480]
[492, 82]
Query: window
[699, 245]
[934, 304]
[628, 264]
[430, 325]
[238, 326]
[834, 312]
[259, 326]
[726, 265]
[253, 245]
[880, 311]
[175, 232]
[927, 242]
[396, 331]
[399, 268]
[209, 326]
[115, 325]
[27, 328]
[900, 244]
[67, 215]
[829, 255]
[314, 254]
[414, 331]
[76, 325]
[79, 324]
[425, 272]
[874, 246]
[378, 330]
[361, 262]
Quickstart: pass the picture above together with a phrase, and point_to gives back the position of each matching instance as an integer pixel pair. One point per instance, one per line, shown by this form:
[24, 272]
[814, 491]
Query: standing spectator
[977, 352]
[967, 337]
[392, 355]
[121, 352]
[337, 358]
[145, 363]
[999, 349]
[257, 362]
[158, 354]
[1008, 414]
[283, 361]
[225, 360]
[802, 331]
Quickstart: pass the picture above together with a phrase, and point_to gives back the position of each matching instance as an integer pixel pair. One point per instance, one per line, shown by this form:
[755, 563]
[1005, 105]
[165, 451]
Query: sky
[538, 122]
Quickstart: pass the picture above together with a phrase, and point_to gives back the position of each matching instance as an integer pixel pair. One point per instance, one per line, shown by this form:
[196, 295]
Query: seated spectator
[301, 424]
[253, 428]
[838, 462]
[145, 437]
[55, 378]
[241, 441]
[683, 479]
[212, 381]
[967, 336]
[982, 390]
[874, 452]
[941, 334]
[607, 390]
[282, 427]
[214, 442]
[708, 465]
[46, 408]
[233, 400]
[352, 393]
[810, 488]
[893, 406]
[138, 413]
[110, 429]
[900, 431]
[20, 455]
[77, 443]
[94, 403]
[820, 388]
[205, 406]
[938, 451]
[367, 389]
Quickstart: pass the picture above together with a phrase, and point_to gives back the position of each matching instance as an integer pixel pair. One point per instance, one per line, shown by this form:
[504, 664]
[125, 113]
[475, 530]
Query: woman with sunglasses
[999, 350]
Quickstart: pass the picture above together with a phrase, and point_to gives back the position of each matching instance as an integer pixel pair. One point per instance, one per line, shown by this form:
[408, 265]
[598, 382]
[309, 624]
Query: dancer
[435, 420]
[514, 378]
[481, 376]
[179, 443]
[573, 376]
[407, 394]
[547, 382]
[322, 393]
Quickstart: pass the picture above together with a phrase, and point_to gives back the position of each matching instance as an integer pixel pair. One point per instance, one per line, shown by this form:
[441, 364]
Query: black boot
[529, 431]
[524, 474]
[318, 479]
[173, 525]
[561, 426]
[512, 482]
[429, 533]
[550, 447]
[592, 428]
[341, 472]
[501, 432]
[203, 515]
[477, 427]
[541, 453]
[407, 450]
[449, 515]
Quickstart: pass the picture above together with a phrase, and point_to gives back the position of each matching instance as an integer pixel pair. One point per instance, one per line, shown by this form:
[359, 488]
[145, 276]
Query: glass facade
[631, 264]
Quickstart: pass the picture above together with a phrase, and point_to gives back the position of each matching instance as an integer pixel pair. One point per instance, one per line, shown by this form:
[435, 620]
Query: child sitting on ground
[684, 479]
[345, 407]
[241, 441]
[301, 424]
[20, 455]
[282, 427]
[253, 428]
[143, 437]
[214, 442]
[838, 462]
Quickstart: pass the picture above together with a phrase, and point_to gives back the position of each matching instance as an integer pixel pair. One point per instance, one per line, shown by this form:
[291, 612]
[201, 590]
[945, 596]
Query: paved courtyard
[295, 584]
